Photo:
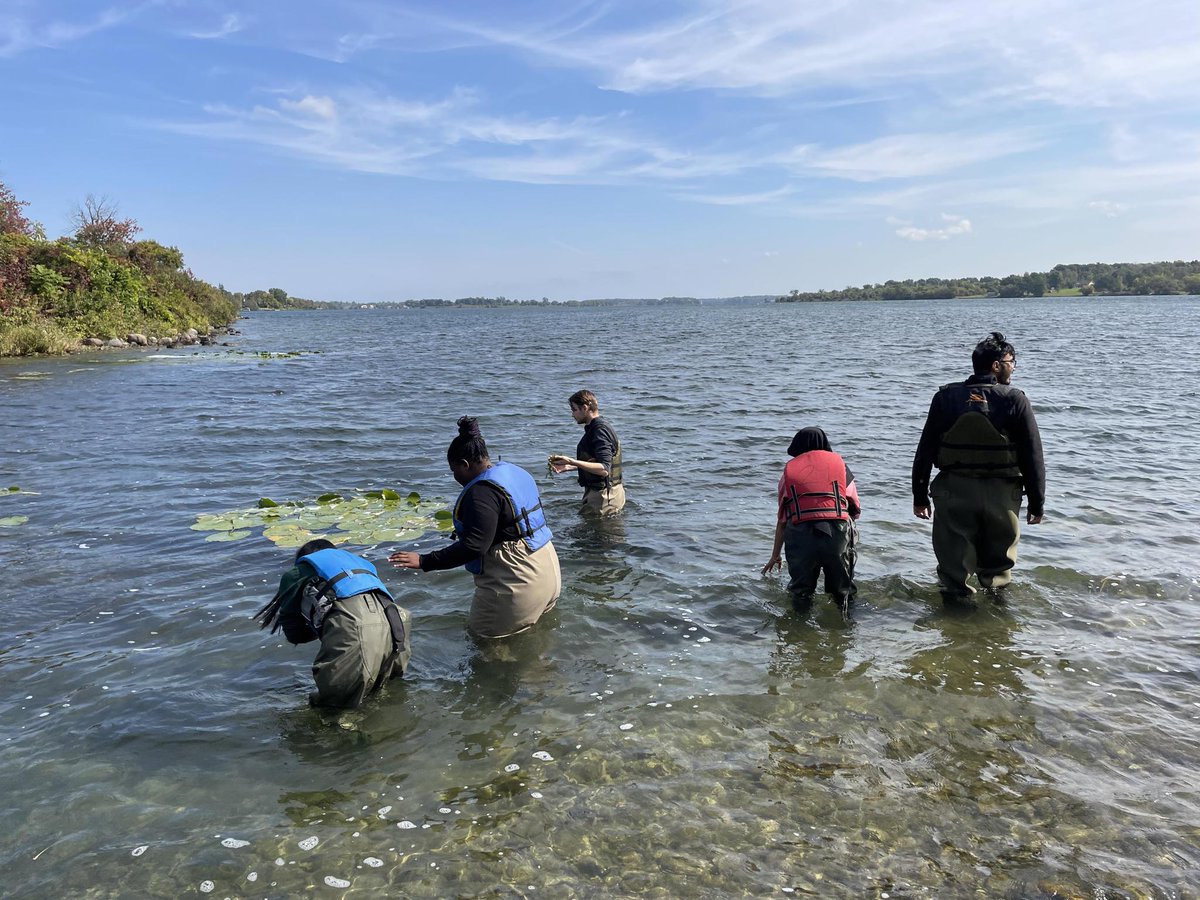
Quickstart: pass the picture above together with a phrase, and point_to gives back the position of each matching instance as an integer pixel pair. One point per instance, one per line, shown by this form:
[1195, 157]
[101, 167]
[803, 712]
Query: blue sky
[386, 151]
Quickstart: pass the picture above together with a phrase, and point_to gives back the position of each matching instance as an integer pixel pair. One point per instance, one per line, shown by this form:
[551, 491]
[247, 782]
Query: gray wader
[514, 589]
[604, 501]
[358, 653]
[976, 527]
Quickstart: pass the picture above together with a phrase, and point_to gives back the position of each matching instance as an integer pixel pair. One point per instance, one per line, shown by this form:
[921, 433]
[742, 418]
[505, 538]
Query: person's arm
[590, 466]
[480, 517]
[776, 561]
[923, 460]
[568, 464]
[852, 495]
[598, 443]
[1031, 461]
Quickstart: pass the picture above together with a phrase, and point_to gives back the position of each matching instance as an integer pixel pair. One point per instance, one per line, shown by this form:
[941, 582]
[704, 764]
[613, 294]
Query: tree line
[1134, 279]
[98, 281]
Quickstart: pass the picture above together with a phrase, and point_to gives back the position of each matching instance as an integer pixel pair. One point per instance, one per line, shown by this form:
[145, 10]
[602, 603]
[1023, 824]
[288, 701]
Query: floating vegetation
[14, 489]
[13, 521]
[225, 355]
[372, 517]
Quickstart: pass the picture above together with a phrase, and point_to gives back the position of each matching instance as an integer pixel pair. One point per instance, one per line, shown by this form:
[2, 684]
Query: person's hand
[405, 559]
[773, 563]
[1033, 520]
[562, 464]
[921, 510]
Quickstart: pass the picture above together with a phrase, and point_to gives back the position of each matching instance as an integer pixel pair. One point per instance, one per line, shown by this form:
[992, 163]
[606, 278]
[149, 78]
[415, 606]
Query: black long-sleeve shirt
[1008, 409]
[598, 444]
[487, 520]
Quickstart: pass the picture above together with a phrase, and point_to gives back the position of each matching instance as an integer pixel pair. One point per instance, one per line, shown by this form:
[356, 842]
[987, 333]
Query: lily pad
[13, 521]
[227, 536]
[367, 518]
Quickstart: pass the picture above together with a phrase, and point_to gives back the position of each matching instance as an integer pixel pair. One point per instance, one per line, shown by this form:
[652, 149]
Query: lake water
[673, 729]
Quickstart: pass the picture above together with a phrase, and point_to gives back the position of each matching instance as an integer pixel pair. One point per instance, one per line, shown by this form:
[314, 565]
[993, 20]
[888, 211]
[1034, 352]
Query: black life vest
[973, 445]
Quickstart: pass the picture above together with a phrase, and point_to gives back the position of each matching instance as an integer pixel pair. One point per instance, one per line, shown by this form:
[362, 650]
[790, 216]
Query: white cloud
[321, 107]
[955, 225]
[231, 23]
[910, 155]
[21, 32]
[1066, 52]
[1108, 208]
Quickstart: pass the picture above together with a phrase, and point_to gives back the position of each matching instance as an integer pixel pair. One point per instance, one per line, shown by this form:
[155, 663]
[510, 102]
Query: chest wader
[977, 501]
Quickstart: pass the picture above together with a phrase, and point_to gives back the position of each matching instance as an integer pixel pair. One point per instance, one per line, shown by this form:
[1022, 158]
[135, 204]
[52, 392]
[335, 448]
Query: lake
[673, 729]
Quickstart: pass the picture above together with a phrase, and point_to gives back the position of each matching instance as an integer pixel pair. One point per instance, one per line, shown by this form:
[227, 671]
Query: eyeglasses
[1011, 362]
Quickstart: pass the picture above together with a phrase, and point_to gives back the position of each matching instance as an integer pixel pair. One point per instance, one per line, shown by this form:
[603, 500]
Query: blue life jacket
[525, 505]
[344, 573]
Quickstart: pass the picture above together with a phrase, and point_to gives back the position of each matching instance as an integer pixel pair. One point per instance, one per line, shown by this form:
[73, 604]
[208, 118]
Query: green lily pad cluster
[13, 521]
[368, 518]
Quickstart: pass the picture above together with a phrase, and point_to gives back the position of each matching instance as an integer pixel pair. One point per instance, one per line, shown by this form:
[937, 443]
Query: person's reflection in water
[498, 670]
[976, 654]
[811, 648]
[961, 740]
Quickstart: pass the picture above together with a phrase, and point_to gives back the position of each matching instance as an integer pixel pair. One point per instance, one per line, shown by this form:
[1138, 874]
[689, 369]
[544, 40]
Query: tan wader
[357, 652]
[514, 589]
[604, 501]
[976, 527]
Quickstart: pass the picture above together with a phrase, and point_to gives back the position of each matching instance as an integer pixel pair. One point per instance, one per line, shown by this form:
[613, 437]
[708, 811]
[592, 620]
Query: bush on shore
[98, 283]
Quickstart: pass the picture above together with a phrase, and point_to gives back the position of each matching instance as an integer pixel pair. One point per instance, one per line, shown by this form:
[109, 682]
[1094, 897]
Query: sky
[385, 151]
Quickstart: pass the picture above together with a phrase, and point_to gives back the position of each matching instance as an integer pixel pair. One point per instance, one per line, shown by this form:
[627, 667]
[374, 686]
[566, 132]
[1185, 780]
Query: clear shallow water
[702, 739]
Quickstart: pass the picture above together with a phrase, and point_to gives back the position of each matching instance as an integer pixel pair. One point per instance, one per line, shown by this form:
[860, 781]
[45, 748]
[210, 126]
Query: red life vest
[813, 488]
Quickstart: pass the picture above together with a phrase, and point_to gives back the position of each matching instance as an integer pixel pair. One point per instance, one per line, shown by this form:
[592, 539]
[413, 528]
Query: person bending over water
[501, 537]
[818, 503]
[336, 597]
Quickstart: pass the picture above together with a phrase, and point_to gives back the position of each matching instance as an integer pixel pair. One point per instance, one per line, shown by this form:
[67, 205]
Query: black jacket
[1008, 409]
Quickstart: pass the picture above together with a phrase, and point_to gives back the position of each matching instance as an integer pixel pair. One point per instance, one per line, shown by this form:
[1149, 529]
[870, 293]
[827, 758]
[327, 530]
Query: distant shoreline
[733, 303]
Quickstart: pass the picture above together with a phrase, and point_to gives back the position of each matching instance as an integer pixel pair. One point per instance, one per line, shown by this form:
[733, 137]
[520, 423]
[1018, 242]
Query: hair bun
[468, 427]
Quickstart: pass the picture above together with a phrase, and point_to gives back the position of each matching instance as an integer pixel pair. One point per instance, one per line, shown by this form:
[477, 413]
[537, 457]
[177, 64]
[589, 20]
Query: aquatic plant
[367, 518]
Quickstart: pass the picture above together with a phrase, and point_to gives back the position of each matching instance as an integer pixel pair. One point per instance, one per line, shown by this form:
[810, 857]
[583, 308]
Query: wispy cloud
[449, 136]
[1057, 51]
[231, 23]
[27, 27]
[910, 155]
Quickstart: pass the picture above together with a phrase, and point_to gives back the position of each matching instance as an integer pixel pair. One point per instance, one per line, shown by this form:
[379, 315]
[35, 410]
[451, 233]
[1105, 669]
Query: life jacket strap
[327, 585]
[523, 516]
